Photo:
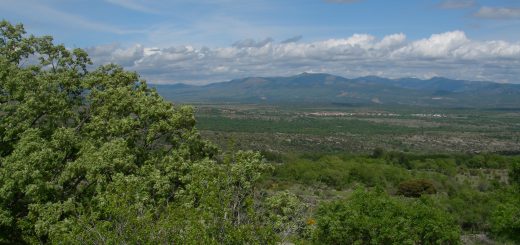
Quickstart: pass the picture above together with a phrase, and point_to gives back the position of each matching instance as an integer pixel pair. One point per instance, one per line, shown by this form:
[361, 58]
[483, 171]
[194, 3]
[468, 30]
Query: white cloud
[113, 53]
[392, 41]
[450, 54]
[437, 46]
[498, 13]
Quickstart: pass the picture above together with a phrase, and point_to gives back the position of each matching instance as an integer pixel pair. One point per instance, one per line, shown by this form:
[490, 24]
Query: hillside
[319, 88]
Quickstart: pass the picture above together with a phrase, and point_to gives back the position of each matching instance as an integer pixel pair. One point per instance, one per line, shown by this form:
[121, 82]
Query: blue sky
[212, 40]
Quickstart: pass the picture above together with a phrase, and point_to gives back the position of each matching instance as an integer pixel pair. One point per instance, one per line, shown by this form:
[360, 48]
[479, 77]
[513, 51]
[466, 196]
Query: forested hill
[319, 88]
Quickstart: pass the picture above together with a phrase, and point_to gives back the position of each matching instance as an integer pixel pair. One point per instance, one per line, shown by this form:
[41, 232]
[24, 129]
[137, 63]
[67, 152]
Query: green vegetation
[298, 126]
[341, 172]
[334, 129]
[505, 219]
[376, 218]
[97, 156]
[465, 188]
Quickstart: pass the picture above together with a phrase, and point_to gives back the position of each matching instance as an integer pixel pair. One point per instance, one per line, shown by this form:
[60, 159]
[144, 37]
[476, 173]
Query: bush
[376, 218]
[340, 173]
[505, 218]
[416, 188]
[378, 153]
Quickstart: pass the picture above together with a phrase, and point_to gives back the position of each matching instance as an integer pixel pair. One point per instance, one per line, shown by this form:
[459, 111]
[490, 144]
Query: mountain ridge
[323, 88]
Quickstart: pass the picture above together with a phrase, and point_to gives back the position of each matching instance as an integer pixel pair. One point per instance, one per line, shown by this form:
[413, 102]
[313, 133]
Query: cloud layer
[450, 54]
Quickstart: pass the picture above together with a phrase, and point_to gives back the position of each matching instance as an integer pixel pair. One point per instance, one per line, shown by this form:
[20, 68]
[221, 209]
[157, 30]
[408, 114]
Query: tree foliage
[96, 156]
[286, 214]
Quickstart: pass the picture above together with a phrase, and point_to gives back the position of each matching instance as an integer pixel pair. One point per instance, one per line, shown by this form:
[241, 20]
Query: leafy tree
[99, 157]
[286, 213]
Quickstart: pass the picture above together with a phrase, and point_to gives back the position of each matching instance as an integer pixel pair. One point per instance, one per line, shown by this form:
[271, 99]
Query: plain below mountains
[319, 88]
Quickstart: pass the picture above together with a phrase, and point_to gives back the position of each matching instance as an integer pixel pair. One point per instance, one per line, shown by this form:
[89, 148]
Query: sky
[204, 41]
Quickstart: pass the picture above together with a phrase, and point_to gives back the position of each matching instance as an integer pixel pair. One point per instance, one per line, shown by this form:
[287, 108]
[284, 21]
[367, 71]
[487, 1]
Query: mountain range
[320, 88]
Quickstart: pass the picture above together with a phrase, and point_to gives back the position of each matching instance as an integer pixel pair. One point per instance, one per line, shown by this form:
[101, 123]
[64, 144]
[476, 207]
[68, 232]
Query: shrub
[378, 152]
[416, 188]
[377, 218]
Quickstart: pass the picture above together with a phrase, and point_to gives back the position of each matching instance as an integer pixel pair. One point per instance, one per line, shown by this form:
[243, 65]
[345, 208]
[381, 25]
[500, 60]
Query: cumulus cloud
[456, 4]
[445, 45]
[113, 53]
[450, 54]
[498, 13]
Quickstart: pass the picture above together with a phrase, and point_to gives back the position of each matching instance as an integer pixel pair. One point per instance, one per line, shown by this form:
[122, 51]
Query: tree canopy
[95, 155]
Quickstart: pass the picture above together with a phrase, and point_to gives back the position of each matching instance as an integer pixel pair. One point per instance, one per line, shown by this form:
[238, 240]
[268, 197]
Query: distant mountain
[319, 88]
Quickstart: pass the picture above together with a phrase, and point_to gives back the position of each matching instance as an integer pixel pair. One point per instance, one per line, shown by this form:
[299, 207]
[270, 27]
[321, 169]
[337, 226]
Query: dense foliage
[475, 190]
[505, 219]
[376, 218]
[97, 156]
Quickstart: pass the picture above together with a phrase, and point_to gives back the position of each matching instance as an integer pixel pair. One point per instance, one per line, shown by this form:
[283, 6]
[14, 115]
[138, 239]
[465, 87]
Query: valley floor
[360, 130]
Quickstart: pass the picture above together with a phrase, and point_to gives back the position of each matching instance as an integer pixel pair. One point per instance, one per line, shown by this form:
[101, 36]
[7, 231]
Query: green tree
[99, 157]
[286, 214]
